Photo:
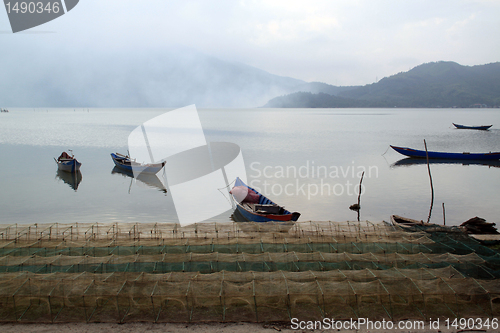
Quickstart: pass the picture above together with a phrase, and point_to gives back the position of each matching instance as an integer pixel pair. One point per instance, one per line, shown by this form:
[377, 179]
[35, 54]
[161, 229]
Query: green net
[233, 272]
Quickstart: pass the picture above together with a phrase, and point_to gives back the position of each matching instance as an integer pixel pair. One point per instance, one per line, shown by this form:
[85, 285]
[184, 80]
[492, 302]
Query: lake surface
[309, 160]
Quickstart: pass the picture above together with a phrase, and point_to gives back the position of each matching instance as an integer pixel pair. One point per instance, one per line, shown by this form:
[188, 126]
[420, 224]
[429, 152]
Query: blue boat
[67, 163]
[457, 156]
[126, 163]
[262, 209]
[482, 127]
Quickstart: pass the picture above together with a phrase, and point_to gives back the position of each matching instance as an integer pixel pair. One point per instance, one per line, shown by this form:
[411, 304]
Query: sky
[341, 42]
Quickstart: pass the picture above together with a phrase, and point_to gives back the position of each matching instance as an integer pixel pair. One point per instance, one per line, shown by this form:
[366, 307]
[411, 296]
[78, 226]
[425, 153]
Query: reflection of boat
[415, 161]
[482, 127]
[149, 179]
[456, 156]
[126, 163]
[73, 179]
[67, 163]
[255, 207]
[414, 225]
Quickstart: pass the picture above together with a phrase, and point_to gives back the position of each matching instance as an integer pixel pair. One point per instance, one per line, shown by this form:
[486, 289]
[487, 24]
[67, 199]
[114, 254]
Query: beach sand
[199, 328]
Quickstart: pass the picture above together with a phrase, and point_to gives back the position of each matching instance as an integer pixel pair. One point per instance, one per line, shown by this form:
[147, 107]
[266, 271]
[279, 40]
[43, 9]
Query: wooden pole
[359, 194]
[444, 216]
[430, 178]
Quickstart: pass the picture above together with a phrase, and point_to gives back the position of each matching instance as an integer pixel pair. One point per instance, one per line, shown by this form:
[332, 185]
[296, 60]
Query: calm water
[309, 160]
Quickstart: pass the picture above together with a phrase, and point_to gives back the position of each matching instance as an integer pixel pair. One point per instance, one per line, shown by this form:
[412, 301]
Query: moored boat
[414, 225]
[457, 156]
[67, 163]
[482, 127]
[126, 163]
[255, 207]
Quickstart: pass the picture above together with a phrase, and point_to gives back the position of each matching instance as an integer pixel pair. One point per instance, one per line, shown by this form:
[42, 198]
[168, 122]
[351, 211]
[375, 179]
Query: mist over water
[175, 76]
[308, 160]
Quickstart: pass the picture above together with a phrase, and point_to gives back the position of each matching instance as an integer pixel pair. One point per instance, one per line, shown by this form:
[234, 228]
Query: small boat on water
[67, 163]
[482, 127]
[126, 163]
[457, 156]
[4, 110]
[255, 207]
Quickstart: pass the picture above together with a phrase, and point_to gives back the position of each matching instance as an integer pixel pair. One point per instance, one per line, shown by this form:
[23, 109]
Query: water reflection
[149, 180]
[73, 179]
[416, 161]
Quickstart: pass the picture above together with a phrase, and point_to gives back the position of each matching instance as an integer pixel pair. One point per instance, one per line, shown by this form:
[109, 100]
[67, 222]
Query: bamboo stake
[444, 215]
[430, 178]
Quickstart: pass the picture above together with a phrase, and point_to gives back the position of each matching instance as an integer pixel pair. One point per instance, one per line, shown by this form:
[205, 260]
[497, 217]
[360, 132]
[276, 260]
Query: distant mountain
[174, 77]
[438, 84]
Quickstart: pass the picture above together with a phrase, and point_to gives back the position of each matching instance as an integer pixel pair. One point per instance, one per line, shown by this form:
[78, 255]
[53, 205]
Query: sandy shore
[202, 328]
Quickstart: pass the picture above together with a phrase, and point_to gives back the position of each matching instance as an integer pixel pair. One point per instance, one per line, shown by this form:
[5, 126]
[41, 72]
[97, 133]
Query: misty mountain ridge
[139, 78]
[178, 76]
[436, 84]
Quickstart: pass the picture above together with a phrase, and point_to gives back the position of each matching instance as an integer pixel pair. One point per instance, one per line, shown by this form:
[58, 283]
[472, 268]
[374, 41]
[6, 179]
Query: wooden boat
[126, 163]
[414, 225]
[482, 127]
[67, 163]
[260, 209]
[457, 156]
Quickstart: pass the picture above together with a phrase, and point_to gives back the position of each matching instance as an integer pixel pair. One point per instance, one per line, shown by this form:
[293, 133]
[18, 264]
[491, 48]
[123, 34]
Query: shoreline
[240, 327]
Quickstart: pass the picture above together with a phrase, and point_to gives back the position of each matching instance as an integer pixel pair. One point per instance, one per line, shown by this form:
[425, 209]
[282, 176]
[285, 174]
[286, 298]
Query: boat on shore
[482, 127]
[414, 225]
[444, 155]
[126, 163]
[67, 163]
[256, 207]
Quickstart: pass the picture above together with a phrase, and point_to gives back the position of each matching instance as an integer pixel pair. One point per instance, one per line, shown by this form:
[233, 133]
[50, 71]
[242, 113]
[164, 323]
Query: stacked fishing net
[234, 272]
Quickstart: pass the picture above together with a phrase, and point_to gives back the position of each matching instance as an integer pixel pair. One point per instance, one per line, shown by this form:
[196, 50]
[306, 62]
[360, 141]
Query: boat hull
[248, 214]
[457, 156]
[127, 165]
[482, 128]
[413, 225]
[254, 217]
[69, 166]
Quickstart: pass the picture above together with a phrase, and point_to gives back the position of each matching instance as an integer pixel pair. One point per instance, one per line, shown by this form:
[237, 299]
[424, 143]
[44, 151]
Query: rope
[386, 150]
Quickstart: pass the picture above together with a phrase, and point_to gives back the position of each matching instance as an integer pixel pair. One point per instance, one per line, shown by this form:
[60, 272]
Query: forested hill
[437, 84]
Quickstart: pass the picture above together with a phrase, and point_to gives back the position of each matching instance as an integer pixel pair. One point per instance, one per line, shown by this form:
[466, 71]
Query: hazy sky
[341, 42]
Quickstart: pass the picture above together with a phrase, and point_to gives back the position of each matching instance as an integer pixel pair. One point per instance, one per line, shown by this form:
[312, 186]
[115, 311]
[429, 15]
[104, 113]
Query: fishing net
[242, 272]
